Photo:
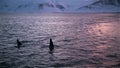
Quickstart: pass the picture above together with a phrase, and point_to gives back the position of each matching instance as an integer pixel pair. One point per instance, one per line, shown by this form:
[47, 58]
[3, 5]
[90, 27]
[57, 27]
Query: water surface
[81, 40]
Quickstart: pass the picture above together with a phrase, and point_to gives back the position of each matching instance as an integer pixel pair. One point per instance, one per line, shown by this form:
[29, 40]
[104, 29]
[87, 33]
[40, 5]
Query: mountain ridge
[59, 6]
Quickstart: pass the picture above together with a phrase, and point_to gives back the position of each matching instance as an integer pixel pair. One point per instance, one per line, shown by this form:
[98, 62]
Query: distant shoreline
[2, 13]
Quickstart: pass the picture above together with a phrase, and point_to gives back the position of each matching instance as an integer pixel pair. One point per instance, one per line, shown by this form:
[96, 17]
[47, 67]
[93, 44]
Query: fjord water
[81, 40]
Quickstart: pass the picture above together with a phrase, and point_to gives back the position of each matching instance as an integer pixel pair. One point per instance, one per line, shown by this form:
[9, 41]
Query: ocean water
[81, 40]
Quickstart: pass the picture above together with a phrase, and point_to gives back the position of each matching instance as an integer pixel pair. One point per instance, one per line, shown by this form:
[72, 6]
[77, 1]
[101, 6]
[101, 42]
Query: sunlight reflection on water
[105, 29]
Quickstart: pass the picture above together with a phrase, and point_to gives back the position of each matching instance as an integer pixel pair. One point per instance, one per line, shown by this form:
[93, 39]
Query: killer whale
[18, 44]
[51, 46]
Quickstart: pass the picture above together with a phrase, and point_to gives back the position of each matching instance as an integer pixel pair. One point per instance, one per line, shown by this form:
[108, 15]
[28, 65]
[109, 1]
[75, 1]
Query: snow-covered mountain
[110, 2]
[59, 5]
[102, 6]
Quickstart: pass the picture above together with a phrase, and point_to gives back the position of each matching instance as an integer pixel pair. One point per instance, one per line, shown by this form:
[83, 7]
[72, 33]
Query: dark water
[81, 40]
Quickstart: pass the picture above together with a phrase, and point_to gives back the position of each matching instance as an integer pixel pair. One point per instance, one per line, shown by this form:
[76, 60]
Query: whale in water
[18, 44]
[51, 45]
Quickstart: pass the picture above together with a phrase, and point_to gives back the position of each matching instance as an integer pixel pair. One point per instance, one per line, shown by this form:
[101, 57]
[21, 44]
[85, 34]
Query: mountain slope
[59, 6]
[102, 6]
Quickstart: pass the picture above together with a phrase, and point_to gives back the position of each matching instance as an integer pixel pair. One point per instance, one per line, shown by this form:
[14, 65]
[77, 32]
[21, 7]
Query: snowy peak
[55, 5]
[102, 6]
[27, 5]
[110, 2]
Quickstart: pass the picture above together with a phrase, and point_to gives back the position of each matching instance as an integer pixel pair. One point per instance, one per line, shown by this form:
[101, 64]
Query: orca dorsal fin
[51, 45]
[18, 44]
